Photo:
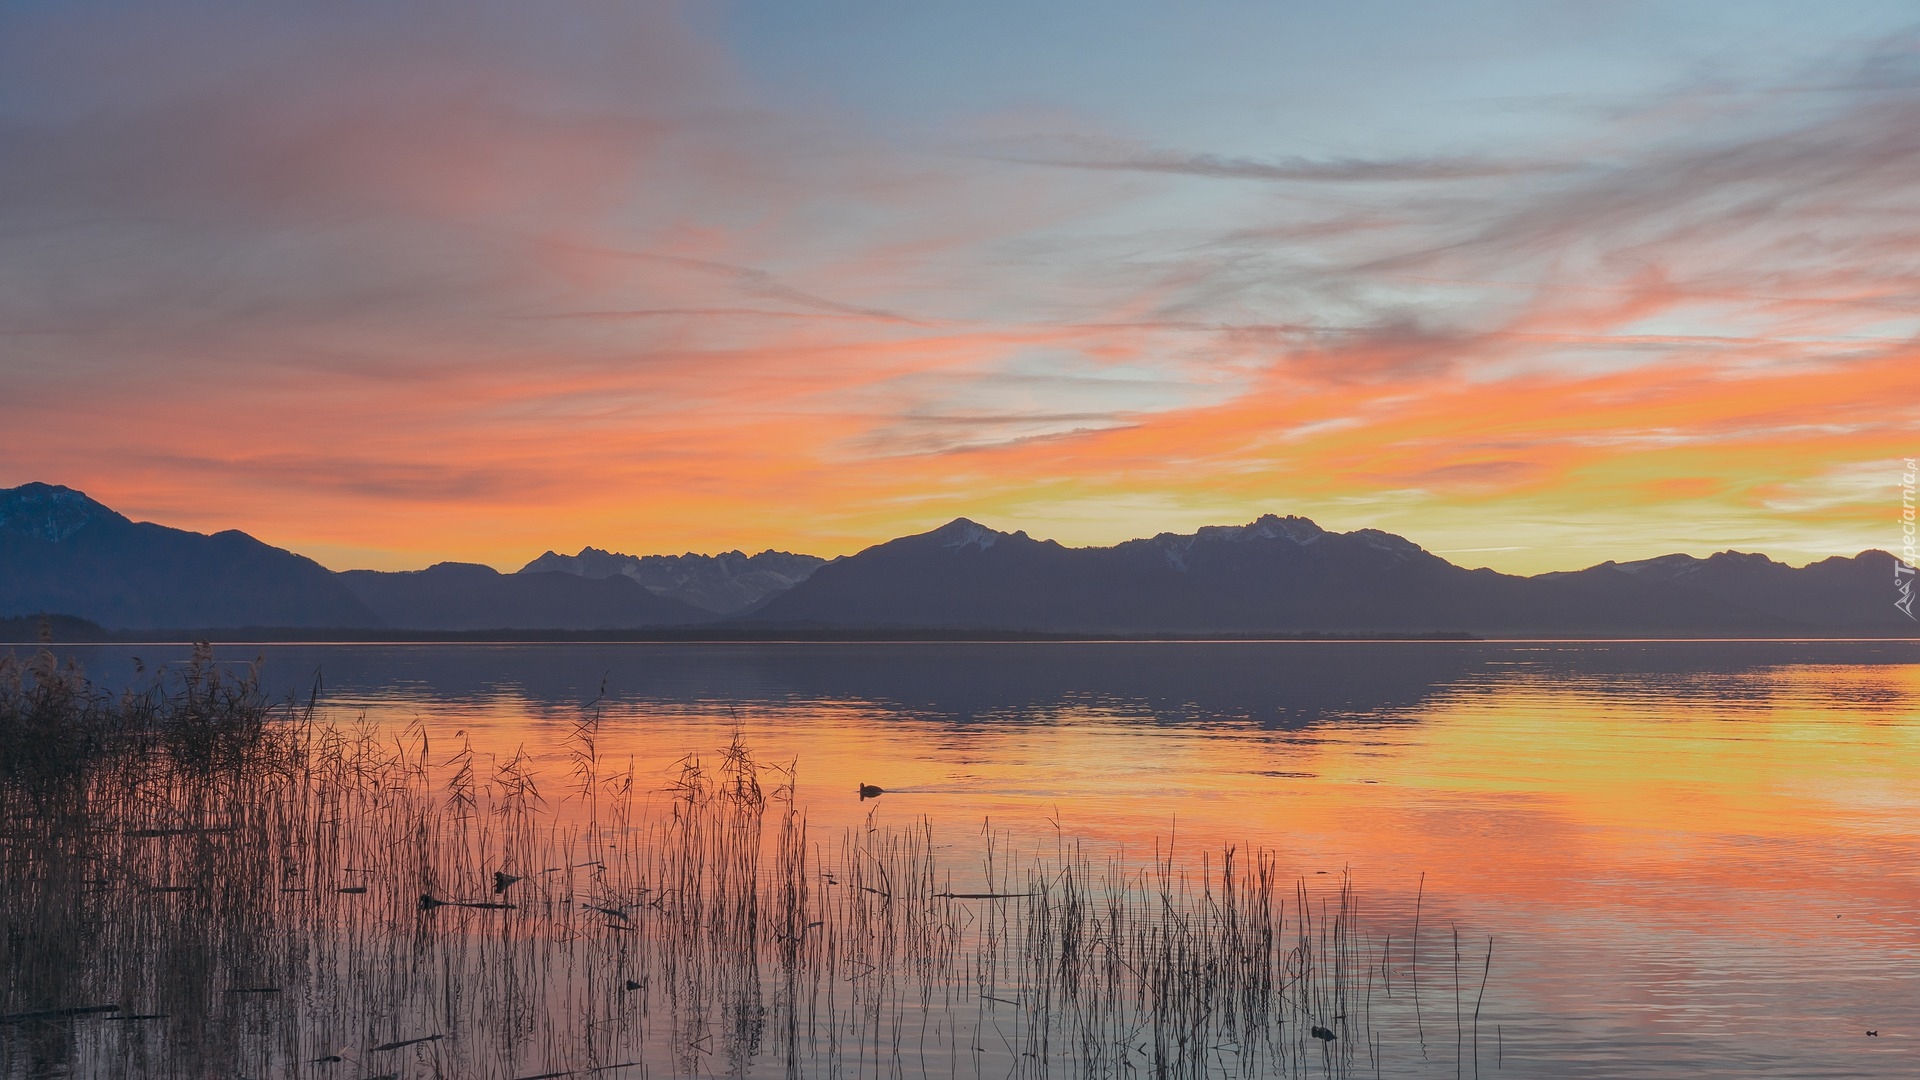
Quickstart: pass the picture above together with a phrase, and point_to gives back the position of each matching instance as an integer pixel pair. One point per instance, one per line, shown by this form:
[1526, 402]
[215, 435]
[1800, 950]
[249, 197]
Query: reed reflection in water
[198, 884]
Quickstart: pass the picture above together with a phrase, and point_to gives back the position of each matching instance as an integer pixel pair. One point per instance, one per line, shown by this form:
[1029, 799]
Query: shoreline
[278, 636]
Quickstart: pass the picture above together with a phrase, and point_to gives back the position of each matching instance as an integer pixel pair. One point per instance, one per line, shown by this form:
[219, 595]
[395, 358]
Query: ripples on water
[1693, 858]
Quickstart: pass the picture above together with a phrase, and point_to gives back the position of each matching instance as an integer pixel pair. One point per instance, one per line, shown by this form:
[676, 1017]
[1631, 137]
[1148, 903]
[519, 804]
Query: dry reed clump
[55, 725]
[226, 889]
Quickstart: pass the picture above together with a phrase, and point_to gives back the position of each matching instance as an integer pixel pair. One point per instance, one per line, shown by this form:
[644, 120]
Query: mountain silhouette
[467, 596]
[63, 552]
[729, 583]
[1833, 593]
[1288, 575]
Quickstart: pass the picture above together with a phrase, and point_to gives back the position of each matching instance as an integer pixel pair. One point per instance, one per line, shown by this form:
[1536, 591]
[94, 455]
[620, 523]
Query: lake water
[1690, 858]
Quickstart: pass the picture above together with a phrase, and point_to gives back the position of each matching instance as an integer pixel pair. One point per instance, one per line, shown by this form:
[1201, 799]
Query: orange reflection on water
[1784, 787]
[1691, 858]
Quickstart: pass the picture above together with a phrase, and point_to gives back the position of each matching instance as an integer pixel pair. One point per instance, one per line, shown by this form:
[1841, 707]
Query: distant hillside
[1830, 594]
[54, 629]
[1289, 575]
[465, 596]
[726, 584]
[61, 551]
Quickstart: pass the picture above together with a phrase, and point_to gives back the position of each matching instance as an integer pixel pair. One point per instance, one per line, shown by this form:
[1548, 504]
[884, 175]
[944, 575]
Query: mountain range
[468, 596]
[63, 552]
[1288, 575]
[725, 584]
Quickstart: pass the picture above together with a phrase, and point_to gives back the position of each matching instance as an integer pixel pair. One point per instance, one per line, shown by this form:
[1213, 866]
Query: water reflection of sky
[1702, 851]
[1274, 684]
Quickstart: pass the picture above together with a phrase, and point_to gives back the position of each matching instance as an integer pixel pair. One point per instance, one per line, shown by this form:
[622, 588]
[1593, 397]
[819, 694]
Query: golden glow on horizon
[1564, 471]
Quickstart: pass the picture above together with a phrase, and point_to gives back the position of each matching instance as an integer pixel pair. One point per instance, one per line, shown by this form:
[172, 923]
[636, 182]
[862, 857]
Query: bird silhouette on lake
[869, 791]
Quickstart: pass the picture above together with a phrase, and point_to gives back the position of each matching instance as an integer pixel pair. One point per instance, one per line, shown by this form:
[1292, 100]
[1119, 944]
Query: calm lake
[1690, 859]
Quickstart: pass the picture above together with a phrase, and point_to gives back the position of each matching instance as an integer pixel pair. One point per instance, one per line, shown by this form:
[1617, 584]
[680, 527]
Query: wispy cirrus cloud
[1083, 152]
[500, 281]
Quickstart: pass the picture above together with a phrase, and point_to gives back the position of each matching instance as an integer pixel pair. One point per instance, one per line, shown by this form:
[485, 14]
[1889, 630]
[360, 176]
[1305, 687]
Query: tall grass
[199, 884]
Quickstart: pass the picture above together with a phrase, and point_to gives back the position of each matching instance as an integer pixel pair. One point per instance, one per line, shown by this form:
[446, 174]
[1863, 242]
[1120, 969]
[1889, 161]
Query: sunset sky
[1535, 284]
